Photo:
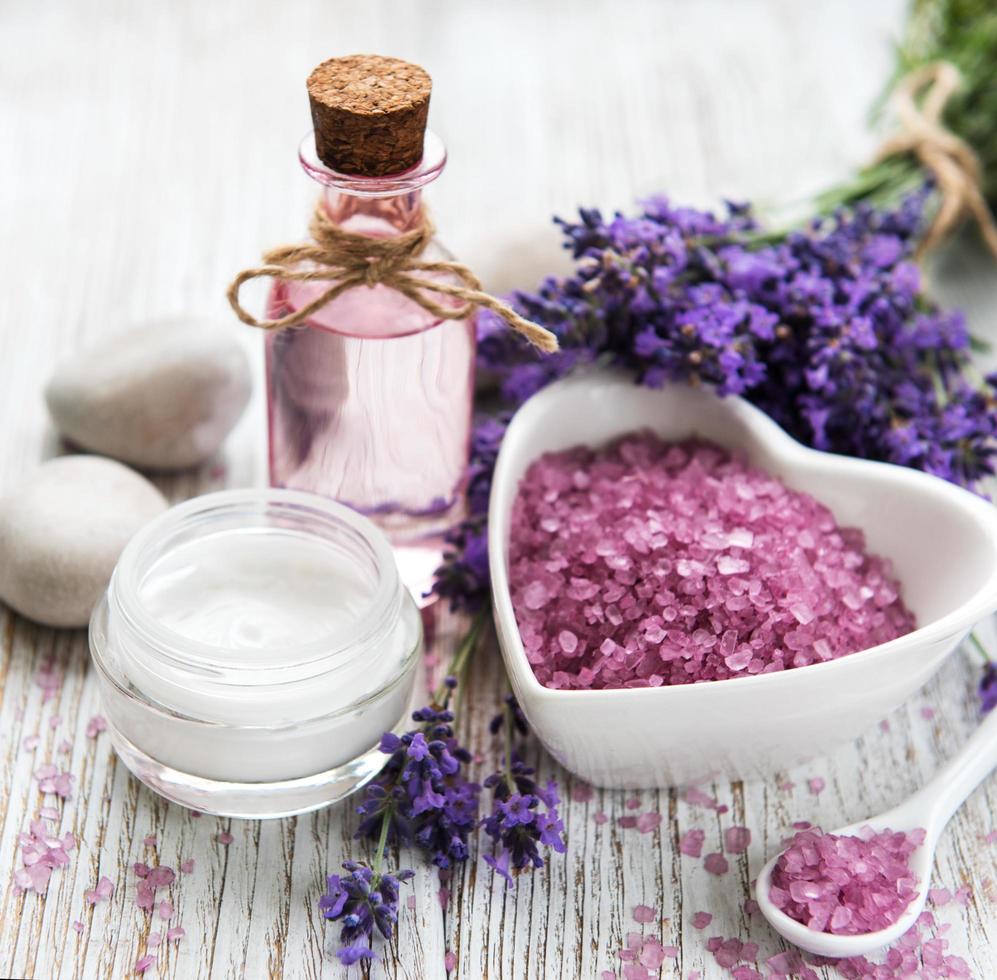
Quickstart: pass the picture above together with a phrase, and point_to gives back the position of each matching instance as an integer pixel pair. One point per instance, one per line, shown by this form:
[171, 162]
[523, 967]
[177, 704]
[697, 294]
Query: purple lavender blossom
[825, 328]
[363, 901]
[988, 687]
[524, 816]
[422, 791]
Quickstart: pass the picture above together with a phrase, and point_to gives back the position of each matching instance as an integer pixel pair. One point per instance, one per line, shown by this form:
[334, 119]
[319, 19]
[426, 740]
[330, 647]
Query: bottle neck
[380, 216]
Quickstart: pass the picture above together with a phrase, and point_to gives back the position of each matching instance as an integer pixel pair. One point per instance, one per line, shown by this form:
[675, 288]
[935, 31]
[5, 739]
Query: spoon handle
[961, 774]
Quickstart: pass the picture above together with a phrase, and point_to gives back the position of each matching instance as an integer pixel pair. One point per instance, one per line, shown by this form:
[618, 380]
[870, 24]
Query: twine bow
[920, 100]
[347, 260]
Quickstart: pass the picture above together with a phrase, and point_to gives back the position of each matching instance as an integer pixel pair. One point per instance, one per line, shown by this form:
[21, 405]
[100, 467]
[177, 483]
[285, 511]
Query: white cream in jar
[252, 647]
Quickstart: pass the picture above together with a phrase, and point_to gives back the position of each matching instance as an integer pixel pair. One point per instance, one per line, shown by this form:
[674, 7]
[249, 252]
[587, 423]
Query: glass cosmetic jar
[251, 648]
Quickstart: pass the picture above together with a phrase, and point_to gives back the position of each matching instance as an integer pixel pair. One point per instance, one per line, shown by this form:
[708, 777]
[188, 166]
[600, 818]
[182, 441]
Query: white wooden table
[147, 151]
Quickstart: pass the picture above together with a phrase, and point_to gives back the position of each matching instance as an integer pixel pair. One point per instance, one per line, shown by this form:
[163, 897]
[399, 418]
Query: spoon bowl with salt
[929, 809]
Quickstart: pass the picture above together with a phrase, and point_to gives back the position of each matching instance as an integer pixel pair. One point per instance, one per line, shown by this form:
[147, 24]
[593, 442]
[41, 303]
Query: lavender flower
[421, 796]
[988, 687]
[363, 901]
[824, 328]
[524, 815]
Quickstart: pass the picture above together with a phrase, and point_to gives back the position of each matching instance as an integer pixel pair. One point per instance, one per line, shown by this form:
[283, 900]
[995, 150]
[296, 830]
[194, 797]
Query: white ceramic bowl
[942, 542]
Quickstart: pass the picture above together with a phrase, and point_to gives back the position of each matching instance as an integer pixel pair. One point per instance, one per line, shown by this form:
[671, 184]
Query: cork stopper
[369, 114]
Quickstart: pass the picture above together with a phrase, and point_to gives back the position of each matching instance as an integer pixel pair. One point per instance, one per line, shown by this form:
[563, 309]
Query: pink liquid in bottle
[369, 401]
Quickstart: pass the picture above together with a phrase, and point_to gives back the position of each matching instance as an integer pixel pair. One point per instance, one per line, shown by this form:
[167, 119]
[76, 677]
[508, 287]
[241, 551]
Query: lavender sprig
[524, 815]
[365, 899]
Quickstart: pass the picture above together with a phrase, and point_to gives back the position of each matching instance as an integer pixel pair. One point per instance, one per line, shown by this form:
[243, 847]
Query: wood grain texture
[147, 152]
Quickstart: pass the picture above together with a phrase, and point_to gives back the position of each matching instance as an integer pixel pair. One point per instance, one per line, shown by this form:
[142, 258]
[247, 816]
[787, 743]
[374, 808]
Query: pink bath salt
[143, 963]
[633, 803]
[65, 747]
[410, 902]
[96, 725]
[751, 907]
[627, 822]
[679, 563]
[846, 885]
[141, 869]
[54, 722]
[150, 841]
[49, 813]
[746, 973]
[691, 842]
[939, 897]
[48, 678]
[700, 920]
[694, 796]
[41, 851]
[443, 896]
[78, 927]
[694, 975]
[786, 786]
[599, 817]
[608, 975]
[991, 837]
[648, 822]
[30, 742]
[716, 864]
[963, 895]
[154, 941]
[736, 840]
[582, 792]
[644, 914]
[187, 867]
[101, 893]
[927, 712]
[51, 780]
[816, 785]
[450, 961]
[165, 910]
[224, 838]
[177, 932]
[161, 876]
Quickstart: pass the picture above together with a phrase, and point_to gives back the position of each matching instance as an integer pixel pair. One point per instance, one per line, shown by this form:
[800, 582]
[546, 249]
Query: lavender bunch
[524, 815]
[825, 328]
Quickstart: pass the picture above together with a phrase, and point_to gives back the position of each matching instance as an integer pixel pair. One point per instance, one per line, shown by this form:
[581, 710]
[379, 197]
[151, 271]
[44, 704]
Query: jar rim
[135, 561]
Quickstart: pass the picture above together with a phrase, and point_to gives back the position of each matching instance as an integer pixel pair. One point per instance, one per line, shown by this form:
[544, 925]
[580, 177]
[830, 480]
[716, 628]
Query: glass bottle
[369, 400]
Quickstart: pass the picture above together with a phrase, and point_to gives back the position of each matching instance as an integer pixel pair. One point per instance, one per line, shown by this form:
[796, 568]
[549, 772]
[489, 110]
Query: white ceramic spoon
[930, 808]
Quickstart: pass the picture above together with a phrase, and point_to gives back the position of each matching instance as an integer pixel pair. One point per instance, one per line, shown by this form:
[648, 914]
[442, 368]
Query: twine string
[347, 260]
[920, 99]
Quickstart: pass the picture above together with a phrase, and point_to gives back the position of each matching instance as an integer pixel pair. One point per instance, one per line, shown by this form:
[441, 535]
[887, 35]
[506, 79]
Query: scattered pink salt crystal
[694, 975]
[694, 796]
[65, 747]
[41, 852]
[644, 914]
[48, 678]
[143, 963]
[701, 920]
[54, 722]
[450, 961]
[608, 975]
[443, 896]
[633, 803]
[939, 897]
[187, 866]
[410, 901]
[49, 813]
[224, 838]
[963, 895]
[648, 822]
[581, 792]
[691, 842]
[991, 838]
[161, 876]
[51, 780]
[751, 907]
[736, 840]
[150, 841]
[786, 786]
[599, 817]
[103, 891]
[927, 712]
[141, 869]
[96, 725]
[177, 932]
[165, 910]
[713, 586]
[154, 941]
[30, 742]
[716, 864]
[627, 822]
[816, 785]
[846, 884]
[78, 926]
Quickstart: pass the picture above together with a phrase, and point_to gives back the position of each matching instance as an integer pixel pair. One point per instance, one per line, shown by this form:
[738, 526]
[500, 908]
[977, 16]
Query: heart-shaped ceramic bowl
[942, 542]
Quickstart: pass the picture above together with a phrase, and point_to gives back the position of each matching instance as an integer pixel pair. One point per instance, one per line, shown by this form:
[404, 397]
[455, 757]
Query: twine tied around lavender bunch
[920, 99]
[347, 260]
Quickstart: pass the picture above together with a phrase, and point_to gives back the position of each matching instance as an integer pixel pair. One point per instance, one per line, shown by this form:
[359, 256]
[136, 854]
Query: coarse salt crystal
[703, 569]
